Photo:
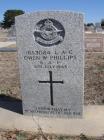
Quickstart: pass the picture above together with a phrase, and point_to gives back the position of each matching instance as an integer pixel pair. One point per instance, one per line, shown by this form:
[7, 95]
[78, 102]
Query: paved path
[92, 123]
[4, 46]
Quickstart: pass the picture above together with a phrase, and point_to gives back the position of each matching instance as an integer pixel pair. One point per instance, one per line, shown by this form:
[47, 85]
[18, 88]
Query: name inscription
[48, 59]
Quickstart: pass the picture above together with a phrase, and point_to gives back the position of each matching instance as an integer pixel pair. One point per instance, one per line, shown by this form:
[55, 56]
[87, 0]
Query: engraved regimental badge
[49, 32]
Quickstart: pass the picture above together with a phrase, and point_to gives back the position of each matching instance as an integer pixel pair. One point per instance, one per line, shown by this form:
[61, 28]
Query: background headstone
[50, 50]
[98, 27]
[12, 33]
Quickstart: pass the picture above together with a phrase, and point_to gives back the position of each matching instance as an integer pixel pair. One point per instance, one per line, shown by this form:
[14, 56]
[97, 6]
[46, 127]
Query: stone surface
[91, 124]
[50, 48]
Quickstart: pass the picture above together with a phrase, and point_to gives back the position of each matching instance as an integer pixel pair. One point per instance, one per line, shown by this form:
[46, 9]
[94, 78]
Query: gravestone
[12, 33]
[98, 27]
[50, 52]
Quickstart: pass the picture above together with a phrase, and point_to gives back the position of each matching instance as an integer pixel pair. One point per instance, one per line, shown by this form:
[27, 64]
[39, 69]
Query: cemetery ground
[23, 135]
[10, 92]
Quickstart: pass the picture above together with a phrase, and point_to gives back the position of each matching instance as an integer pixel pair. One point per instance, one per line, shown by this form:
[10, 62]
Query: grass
[23, 135]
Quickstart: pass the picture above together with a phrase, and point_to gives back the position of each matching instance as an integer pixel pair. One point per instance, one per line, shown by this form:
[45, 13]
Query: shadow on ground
[11, 104]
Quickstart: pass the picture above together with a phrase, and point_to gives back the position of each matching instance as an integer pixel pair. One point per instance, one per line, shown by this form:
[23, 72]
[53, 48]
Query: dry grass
[23, 135]
[94, 78]
[9, 74]
[3, 35]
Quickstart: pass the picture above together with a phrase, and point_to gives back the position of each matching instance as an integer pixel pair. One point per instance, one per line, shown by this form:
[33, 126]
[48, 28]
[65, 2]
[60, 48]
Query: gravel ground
[22, 135]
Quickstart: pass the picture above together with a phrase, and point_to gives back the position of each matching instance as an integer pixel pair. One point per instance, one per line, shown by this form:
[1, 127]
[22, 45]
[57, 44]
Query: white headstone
[50, 49]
